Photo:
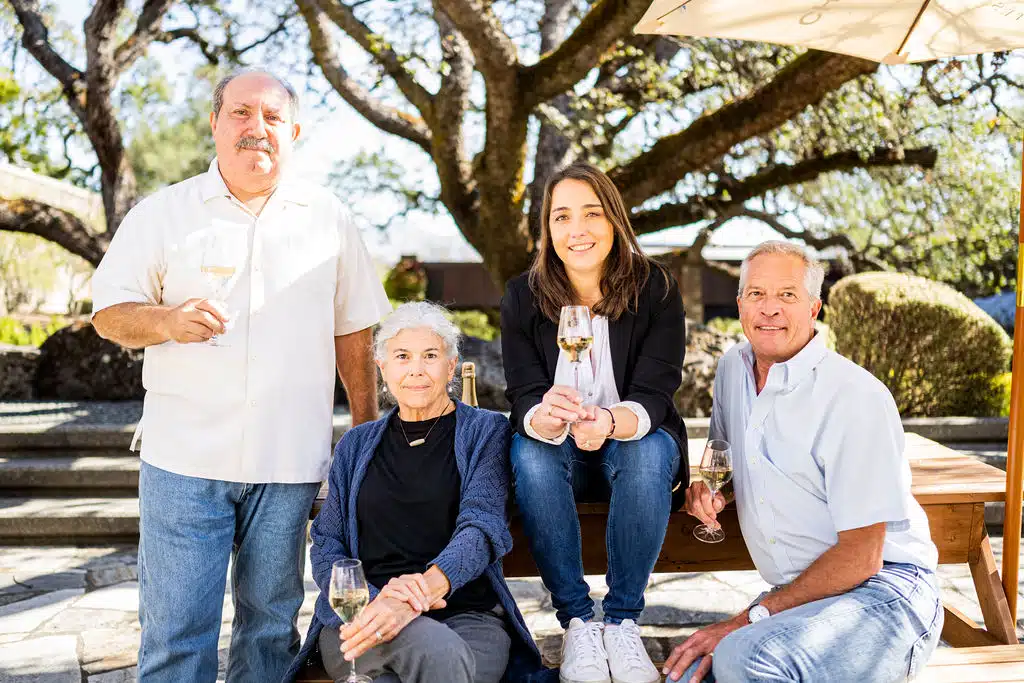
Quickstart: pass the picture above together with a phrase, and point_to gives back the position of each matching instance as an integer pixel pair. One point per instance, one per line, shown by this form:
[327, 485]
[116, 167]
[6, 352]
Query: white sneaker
[627, 657]
[584, 659]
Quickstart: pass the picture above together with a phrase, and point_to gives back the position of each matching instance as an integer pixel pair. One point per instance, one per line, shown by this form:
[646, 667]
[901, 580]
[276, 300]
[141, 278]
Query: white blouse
[597, 385]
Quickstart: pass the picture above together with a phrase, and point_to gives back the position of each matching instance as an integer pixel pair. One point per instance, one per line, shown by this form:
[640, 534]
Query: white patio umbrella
[892, 32]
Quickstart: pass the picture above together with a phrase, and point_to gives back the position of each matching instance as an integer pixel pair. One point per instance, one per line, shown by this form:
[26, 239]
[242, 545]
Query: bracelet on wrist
[612, 429]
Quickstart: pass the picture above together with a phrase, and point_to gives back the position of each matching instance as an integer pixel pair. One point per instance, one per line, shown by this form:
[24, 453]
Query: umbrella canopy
[890, 31]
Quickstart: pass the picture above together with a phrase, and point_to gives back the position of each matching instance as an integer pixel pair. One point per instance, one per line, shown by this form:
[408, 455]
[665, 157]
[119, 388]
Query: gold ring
[379, 637]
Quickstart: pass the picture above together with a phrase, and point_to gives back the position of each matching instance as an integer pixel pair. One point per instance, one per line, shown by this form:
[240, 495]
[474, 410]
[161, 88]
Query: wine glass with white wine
[349, 595]
[219, 272]
[575, 336]
[715, 471]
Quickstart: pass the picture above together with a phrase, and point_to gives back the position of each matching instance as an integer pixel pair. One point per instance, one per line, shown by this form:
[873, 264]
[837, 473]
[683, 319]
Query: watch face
[757, 613]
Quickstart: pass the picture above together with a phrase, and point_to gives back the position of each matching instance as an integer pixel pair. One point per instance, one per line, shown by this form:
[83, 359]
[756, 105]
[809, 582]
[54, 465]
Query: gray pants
[471, 647]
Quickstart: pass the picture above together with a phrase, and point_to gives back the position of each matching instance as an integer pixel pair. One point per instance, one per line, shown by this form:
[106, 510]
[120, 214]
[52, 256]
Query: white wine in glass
[219, 271]
[575, 336]
[349, 595]
[715, 471]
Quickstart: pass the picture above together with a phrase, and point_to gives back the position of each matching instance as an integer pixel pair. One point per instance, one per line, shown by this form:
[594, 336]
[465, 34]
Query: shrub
[729, 326]
[475, 324]
[936, 351]
[17, 333]
[407, 281]
[1001, 386]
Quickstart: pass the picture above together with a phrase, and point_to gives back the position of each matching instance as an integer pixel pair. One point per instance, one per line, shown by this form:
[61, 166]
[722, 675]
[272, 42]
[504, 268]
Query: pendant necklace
[420, 442]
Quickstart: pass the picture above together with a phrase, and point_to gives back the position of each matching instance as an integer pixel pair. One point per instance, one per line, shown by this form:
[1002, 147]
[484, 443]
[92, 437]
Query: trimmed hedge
[937, 352]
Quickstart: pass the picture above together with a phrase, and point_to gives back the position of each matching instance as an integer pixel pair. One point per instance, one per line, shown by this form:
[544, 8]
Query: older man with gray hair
[247, 288]
[822, 491]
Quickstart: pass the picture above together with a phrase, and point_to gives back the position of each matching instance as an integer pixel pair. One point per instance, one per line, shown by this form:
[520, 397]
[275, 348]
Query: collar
[788, 375]
[288, 189]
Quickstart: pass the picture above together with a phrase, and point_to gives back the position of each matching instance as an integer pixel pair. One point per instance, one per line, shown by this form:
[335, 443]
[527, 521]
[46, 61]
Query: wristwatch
[757, 613]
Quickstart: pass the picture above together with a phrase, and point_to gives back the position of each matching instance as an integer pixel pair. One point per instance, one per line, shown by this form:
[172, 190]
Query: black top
[647, 346]
[407, 507]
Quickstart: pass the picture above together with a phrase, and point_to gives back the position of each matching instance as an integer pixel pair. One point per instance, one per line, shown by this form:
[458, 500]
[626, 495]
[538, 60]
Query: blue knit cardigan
[480, 540]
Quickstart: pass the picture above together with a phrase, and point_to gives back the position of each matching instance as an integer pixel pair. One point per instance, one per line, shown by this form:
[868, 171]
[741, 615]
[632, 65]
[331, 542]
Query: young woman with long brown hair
[628, 443]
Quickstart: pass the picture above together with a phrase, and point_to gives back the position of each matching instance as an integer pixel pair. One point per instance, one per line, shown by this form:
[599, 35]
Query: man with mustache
[247, 288]
[823, 496]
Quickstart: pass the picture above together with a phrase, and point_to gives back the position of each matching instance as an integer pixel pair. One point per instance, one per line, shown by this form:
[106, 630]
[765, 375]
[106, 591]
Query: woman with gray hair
[419, 498]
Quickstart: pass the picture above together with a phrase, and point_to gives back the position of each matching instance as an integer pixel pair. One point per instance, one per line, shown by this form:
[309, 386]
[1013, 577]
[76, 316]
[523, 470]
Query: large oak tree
[499, 94]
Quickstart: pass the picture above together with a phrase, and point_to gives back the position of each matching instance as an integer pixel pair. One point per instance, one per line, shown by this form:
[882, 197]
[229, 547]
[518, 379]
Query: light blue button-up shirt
[818, 451]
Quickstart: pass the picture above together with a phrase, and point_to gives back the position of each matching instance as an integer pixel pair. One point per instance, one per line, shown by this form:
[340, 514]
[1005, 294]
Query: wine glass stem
[576, 376]
[352, 670]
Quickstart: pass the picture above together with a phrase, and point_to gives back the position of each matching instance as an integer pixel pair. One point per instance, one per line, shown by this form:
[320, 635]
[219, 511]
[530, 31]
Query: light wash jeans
[635, 477]
[190, 528]
[882, 631]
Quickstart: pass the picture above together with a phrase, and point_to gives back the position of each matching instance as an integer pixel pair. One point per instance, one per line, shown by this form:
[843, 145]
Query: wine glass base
[706, 534]
[358, 678]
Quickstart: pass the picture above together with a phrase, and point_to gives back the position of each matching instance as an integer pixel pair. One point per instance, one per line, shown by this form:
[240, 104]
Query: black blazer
[647, 357]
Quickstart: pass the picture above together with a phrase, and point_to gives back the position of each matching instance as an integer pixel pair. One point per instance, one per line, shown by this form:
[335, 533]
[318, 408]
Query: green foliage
[29, 119]
[475, 324]
[30, 268]
[17, 333]
[407, 281]
[1001, 386]
[730, 326]
[172, 147]
[936, 351]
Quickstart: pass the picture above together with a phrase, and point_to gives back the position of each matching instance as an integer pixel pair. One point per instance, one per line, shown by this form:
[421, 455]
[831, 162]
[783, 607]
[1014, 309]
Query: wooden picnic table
[951, 487]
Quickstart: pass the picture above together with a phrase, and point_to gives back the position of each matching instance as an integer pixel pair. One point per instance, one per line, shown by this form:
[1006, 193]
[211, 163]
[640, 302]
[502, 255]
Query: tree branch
[147, 29]
[495, 53]
[55, 225]
[449, 112]
[382, 53]
[728, 199]
[214, 53]
[819, 242]
[388, 119]
[802, 83]
[36, 39]
[605, 23]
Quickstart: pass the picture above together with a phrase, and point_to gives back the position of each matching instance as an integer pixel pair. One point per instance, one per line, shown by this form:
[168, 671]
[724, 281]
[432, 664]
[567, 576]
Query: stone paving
[70, 614]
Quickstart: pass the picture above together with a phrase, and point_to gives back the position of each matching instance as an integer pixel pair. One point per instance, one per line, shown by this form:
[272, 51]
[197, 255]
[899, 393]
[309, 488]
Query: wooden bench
[993, 664]
[951, 487]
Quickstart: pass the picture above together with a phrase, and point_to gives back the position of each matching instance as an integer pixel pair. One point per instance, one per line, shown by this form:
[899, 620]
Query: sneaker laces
[588, 643]
[628, 646]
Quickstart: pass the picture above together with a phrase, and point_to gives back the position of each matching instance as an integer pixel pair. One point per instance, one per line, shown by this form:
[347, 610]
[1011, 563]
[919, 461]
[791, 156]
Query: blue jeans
[190, 528]
[882, 631]
[635, 477]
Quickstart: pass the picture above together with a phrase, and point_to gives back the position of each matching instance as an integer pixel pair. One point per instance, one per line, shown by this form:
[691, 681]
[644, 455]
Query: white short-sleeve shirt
[818, 451]
[257, 409]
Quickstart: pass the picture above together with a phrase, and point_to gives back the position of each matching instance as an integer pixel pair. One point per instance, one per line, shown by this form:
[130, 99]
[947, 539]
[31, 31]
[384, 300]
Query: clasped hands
[403, 599]
[561, 406]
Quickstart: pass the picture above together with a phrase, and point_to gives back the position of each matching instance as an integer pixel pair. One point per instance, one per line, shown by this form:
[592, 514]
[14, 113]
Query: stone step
[115, 453]
[69, 472]
[68, 519]
[86, 437]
